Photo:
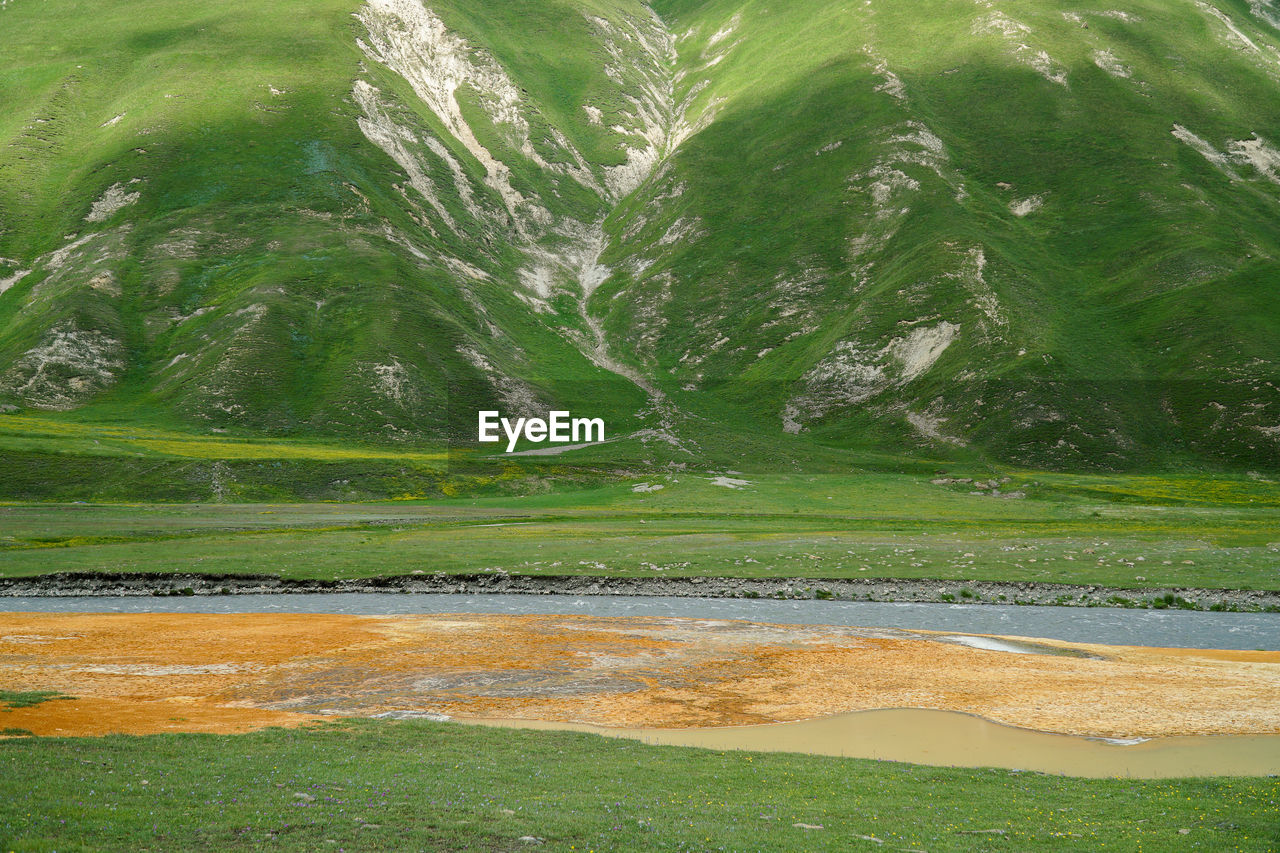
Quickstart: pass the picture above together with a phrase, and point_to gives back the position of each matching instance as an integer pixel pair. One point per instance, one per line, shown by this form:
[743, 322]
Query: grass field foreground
[415, 785]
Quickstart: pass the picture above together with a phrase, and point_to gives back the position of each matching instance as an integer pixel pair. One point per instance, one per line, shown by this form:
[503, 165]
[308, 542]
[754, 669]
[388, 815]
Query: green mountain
[1044, 231]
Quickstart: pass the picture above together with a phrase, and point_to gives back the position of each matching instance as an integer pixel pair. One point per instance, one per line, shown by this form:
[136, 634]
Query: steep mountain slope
[1040, 229]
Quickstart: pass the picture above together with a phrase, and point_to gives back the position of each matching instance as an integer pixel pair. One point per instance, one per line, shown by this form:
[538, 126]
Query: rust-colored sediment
[145, 673]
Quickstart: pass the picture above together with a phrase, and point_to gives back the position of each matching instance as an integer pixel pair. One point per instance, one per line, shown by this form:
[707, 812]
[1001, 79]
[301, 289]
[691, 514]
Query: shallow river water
[911, 735]
[1109, 626]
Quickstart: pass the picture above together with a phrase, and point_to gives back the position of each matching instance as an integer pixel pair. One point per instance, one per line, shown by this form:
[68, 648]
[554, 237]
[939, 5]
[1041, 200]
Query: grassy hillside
[1042, 233]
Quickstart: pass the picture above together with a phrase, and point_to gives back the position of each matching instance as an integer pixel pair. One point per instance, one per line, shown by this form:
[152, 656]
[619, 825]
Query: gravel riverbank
[846, 589]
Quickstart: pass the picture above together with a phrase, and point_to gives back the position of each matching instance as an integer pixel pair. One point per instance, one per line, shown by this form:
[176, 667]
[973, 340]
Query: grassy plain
[1114, 530]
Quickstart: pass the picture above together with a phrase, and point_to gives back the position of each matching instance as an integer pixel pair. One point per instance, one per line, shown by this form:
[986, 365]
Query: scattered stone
[531, 839]
[808, 826]
[112, 200]
[306, 798]
[980, 832]
[730, 482]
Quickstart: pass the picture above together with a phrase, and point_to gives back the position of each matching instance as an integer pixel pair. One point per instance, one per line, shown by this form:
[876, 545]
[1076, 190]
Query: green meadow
[557, 519]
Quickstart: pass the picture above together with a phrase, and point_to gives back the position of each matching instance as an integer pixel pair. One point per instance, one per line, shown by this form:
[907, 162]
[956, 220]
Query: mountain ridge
[1040, 231]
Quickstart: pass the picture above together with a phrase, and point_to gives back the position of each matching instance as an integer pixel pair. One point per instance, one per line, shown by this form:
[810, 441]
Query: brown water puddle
[950, 739]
